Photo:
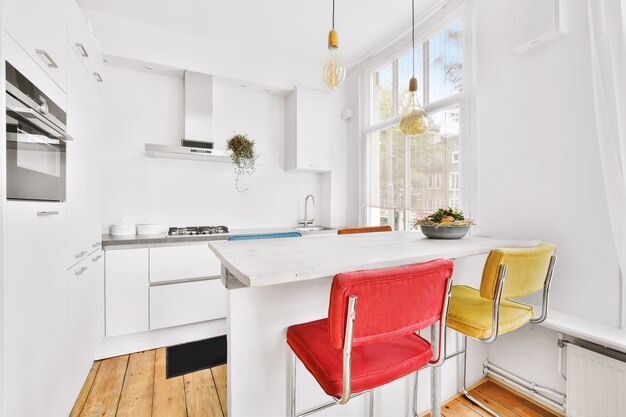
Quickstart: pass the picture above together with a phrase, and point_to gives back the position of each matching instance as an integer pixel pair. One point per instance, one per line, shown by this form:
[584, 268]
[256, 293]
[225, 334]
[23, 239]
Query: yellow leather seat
[471, 314]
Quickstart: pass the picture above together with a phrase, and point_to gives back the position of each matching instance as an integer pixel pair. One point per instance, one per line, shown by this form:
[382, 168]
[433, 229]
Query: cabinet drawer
[176, 263]
[184, 303]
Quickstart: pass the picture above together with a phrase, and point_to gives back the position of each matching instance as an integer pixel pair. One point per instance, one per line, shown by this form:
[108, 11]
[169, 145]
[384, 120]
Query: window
[454, 181]
[405, 175]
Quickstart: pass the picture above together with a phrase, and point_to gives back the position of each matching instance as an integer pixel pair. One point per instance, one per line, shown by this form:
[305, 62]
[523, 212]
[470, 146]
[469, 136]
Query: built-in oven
[36, 140]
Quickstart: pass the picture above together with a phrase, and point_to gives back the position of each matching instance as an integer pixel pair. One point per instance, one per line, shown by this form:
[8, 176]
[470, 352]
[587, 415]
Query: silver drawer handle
[81, 254]
[81, 271]
[48, 58]
[47, 213]
[96, 259]
[96, 245]
[98, 77]
[83, 51]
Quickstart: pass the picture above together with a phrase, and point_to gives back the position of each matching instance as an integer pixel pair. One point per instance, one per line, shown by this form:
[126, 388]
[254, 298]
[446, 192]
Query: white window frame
[427, 25]
[454, 178]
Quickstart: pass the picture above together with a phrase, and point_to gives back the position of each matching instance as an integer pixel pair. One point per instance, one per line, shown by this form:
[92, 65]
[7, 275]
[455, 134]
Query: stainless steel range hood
[198, 123]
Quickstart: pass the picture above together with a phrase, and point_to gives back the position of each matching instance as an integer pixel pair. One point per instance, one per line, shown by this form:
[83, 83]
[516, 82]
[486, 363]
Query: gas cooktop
[197, 230]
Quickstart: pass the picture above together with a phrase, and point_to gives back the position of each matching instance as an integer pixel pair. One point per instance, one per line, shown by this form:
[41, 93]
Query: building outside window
[403, 174]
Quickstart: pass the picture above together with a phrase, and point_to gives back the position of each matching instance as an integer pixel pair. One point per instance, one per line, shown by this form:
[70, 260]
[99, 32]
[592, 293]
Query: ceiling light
[333, 73]
[414, 120]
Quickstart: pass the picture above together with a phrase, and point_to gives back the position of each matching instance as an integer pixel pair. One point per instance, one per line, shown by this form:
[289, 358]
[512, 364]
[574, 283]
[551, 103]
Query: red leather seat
[391, 305]
[372, 365]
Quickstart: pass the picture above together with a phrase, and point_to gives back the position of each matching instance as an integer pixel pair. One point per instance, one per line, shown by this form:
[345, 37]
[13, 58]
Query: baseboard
[137, 342]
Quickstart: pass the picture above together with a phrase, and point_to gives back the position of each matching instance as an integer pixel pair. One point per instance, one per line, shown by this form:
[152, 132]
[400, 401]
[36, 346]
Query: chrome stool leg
[464, 377]
[291, 395]
[415, 386]
[370, 403]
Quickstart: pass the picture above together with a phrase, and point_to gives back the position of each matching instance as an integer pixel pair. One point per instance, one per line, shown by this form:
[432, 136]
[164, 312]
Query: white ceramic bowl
[122, 229]
[148, 228]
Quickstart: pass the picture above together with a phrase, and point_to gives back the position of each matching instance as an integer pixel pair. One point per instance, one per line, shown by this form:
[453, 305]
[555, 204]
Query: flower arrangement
[244, 156]
[445, 217]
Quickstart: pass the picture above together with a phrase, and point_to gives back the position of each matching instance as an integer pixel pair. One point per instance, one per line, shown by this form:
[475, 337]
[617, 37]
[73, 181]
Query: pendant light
[333, 73]
[414, 120]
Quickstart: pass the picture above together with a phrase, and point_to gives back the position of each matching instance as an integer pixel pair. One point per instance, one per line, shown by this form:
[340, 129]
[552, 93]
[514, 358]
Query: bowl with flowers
[445, 223]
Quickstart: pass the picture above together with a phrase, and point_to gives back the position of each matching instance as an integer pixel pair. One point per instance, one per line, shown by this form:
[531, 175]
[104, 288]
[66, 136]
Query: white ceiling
[282, 29]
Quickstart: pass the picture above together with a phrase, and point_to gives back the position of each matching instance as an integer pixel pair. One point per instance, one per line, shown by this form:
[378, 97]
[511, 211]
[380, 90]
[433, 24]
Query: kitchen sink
[314, 229]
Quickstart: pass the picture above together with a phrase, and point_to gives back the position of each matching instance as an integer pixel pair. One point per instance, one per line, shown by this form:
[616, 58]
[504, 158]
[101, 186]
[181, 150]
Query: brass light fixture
[333, 73]
[414, 120]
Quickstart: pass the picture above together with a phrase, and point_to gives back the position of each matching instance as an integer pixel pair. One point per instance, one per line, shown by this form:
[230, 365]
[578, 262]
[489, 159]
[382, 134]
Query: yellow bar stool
[486, 313]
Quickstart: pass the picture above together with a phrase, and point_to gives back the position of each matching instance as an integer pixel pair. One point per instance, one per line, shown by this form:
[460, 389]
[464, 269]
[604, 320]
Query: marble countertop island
[280, 261]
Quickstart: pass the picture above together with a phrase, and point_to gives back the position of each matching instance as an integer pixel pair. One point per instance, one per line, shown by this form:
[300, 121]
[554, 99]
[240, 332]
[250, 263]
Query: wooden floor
[135, 385]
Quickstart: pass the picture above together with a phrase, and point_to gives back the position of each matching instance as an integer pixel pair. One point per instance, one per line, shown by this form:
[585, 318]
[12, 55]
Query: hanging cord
[413, 33]
[333, 14]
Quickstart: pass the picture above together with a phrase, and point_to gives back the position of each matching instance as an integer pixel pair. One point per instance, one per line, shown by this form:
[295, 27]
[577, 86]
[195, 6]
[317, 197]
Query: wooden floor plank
[456, 408]
[84, 392]
[219, 376]
[476, 409]
[104, 395]
[168, 399]
[514, 402]
[136, 398]
[201, 395]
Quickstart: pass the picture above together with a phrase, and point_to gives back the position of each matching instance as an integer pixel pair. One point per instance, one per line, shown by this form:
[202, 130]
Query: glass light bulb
[333, 73]
[414, 120]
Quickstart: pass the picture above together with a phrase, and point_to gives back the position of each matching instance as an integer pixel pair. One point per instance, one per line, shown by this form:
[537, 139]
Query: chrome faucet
[306, 222]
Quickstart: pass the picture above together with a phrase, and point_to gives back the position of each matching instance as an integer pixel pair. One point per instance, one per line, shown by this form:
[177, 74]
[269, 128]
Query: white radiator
[596, 384]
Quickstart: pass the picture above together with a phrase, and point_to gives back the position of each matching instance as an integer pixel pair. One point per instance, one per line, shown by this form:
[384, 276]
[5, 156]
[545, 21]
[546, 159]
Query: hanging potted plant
[241, 150]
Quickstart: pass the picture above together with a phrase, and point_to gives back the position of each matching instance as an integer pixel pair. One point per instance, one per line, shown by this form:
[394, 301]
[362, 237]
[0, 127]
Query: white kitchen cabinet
[82, 40]
[188, 302]
[308, 117]
[40, 27]
[85, 316]
[176, 263]
[84, 166]
[35, 339]
[126, 284]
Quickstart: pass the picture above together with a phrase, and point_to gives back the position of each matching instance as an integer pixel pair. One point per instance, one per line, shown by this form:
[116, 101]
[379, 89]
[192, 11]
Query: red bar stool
[355, 349]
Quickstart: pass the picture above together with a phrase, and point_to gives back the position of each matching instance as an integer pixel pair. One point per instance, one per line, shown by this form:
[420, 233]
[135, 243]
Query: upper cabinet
[82, 40]
[308, 117]
[40, 27]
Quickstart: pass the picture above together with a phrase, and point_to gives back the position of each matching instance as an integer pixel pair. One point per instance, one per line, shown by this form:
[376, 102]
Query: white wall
[144, 107]
[539, 166]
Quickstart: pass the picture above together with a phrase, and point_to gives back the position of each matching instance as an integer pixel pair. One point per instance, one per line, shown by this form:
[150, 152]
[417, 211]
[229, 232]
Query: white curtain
[607, 26]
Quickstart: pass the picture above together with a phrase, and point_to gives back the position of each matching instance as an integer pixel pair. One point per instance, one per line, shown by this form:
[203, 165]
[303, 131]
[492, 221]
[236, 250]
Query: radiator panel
[596, 384]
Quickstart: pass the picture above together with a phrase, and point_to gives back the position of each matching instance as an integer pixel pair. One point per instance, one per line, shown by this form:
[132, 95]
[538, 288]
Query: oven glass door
[35, 162]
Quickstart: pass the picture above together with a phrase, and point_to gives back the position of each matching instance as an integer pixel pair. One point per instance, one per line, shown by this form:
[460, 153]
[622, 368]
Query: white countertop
[265, 262]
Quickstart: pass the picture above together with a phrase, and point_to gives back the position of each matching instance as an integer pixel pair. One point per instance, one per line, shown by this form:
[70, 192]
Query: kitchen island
[276, 283]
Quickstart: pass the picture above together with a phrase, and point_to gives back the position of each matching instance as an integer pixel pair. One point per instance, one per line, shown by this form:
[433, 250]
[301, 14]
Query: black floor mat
[194, 356]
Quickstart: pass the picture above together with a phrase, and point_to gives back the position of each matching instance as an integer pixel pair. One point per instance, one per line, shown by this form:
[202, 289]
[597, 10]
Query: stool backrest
[390, 302]
[527, 269]
[365, 229]
[265, 236]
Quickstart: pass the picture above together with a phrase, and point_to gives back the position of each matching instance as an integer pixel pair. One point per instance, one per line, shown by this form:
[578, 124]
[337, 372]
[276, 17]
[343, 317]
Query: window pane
[445, 67]
[382, 94]
[434, 180]
[387, 175]
[405, 72]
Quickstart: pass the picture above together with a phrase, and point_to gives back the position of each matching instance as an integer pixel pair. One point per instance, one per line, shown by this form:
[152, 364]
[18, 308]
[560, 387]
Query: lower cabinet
[159, 287]
[85, 312]
[187, 302]
[35, 339]
[126, 291]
